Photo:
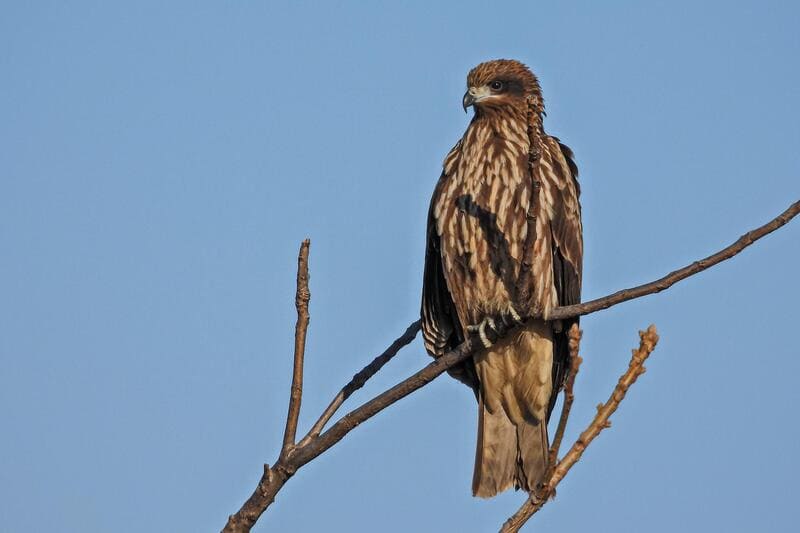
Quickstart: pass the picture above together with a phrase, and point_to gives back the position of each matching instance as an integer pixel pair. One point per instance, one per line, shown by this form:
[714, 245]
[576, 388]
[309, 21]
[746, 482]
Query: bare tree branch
[647, 343]
[672, 278]
[317, 442]
[301, 299]
[273, 479]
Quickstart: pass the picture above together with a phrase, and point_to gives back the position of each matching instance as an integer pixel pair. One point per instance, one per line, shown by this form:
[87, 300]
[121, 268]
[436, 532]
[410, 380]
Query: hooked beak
[475, 95]
[468, 100]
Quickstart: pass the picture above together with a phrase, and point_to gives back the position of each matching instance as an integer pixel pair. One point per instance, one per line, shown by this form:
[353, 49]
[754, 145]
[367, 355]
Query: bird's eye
[496, 85]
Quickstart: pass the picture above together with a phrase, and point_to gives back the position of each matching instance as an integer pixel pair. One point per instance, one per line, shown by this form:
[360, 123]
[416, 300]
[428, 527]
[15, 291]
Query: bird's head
[500, 83]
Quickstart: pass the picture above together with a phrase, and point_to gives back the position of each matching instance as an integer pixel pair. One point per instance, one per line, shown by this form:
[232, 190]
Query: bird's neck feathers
[506, 111]
[511, 125]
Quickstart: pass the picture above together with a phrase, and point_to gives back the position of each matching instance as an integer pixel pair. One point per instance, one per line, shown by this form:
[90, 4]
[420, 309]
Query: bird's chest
[481, 220]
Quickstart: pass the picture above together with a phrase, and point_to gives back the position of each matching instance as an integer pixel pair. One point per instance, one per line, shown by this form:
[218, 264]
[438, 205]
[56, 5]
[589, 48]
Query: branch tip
[302, 297]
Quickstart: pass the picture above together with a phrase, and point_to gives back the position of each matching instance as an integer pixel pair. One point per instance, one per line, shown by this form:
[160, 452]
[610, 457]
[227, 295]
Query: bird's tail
[515, 385]
[508, 455]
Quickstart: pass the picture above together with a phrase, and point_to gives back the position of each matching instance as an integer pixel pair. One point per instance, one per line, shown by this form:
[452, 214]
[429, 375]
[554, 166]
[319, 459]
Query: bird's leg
[480, 329]
[492, 327]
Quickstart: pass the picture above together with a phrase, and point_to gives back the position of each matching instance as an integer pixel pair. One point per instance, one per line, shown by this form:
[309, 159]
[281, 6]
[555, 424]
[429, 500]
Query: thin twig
[575, 361]
[647, 343]
[360, 379]
[301, 299]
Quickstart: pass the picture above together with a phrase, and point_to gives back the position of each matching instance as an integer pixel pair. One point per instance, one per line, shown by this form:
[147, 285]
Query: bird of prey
[506, 203]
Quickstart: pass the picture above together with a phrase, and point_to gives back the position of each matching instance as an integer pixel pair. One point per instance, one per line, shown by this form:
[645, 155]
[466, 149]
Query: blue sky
[161, 162]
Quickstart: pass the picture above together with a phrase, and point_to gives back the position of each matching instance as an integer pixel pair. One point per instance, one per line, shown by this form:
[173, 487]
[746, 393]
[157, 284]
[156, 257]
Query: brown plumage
[503, 170]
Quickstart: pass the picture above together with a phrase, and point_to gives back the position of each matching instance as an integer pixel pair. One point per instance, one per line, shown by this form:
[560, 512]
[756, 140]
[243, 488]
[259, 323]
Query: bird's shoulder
[451, 160]
[558, 153]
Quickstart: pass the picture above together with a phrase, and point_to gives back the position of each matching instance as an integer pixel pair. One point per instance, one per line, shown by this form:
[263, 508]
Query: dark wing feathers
[441, 329]
[567, 270]
[566, 151]
[438, 317]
